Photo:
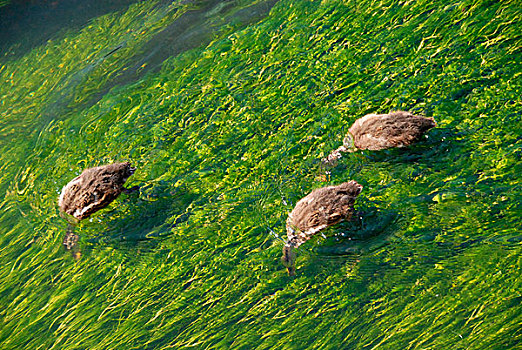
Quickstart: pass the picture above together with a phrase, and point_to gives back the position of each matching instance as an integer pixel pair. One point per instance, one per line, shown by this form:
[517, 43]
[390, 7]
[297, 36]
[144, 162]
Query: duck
[94, 189]
[321, 208]
[381, 131]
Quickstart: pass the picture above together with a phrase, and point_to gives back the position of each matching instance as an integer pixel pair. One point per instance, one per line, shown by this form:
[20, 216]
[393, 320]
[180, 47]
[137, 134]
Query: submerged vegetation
[226, 138]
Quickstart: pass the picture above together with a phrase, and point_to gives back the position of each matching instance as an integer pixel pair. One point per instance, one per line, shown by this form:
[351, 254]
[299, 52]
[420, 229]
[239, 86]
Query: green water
[226, 109]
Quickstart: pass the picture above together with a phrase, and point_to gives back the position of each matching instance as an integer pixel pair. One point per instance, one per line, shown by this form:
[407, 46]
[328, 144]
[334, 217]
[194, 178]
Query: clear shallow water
[226, 123]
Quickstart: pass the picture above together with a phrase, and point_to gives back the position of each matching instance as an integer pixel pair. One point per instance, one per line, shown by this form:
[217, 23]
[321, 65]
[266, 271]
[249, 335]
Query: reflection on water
[227, 108]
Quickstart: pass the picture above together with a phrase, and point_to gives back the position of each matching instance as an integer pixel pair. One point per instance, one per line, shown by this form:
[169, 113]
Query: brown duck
[321, 208]
[94, 189]
[381, 131]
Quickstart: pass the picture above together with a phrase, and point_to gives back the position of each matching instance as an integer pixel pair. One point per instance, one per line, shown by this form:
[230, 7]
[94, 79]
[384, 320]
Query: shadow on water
[369, 230]
[431, 148]
[33, 22]
[438, 143]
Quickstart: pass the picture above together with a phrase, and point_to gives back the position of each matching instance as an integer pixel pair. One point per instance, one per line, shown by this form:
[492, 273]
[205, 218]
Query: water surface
[226, 108]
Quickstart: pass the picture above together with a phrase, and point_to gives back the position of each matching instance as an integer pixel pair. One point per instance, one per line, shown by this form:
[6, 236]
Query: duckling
[380, 131]
[321, 208]
[94, 189]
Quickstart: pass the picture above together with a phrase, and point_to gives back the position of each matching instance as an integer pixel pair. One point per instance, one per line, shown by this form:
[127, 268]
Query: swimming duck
[321, 208]
[381, 131]
[94, 189]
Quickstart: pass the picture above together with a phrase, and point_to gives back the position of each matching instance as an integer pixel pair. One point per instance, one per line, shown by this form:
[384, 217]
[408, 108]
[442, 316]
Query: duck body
[321, 208]
[381, 131]
[94, 189]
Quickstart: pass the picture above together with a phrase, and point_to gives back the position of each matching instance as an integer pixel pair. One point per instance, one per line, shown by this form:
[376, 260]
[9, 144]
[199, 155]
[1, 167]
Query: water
[226, 108]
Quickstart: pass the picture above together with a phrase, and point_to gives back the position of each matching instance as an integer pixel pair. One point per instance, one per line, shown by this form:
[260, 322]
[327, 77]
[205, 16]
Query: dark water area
[226, 109]
[34, 23]
[26, 24]
[194, 28]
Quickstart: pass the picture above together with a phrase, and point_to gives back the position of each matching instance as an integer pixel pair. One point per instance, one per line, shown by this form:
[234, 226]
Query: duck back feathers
[94, 189]
[321, 208]
[396, 129]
